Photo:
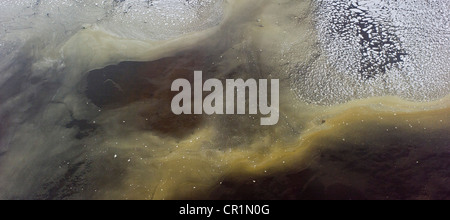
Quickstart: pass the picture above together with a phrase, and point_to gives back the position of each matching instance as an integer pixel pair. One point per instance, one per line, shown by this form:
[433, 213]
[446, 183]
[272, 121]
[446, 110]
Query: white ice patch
[162, 19]
[377, 48]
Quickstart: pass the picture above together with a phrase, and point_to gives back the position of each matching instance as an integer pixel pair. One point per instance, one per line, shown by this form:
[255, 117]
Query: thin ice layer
[45, 25]
[54, 21]
[147, 19]
[161, 19]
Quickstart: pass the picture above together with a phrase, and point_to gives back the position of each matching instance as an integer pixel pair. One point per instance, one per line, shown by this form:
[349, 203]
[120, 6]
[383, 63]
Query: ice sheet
[379, 47]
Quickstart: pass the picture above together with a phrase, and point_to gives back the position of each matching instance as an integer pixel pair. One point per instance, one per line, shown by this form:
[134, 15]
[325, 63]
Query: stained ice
[54, 21]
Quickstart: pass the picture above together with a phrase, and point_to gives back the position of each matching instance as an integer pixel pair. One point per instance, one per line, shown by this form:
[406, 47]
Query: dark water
[384, 166]
[364, 154]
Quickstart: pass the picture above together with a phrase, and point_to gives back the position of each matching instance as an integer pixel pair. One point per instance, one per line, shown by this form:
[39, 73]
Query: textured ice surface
[162, 18]
[379, 47]
[147, 19]
[37, 28]
[56, 20]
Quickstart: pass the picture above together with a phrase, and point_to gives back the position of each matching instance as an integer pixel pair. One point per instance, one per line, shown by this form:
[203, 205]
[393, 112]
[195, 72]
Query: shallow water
[85, 111]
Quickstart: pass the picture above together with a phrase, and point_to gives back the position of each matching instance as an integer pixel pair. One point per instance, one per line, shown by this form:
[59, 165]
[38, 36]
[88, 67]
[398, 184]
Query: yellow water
[155, 166]
[195, 166]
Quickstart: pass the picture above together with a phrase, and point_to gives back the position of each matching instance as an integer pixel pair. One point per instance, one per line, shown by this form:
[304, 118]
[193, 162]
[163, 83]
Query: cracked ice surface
[377, 48]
